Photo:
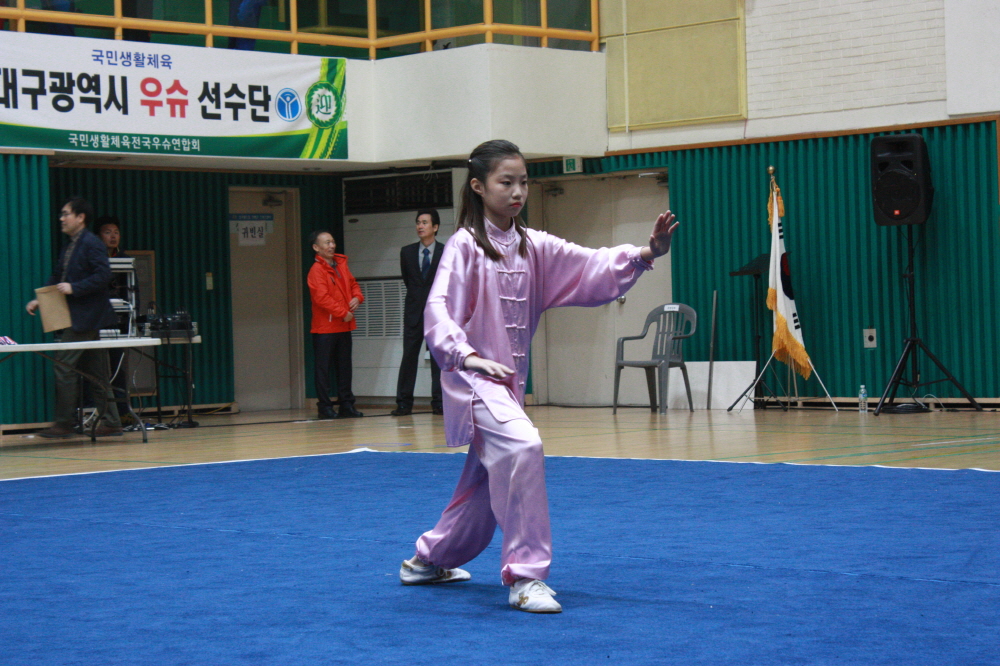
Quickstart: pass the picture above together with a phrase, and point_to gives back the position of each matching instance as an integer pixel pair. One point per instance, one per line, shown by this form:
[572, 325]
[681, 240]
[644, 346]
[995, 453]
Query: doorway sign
[251, 228]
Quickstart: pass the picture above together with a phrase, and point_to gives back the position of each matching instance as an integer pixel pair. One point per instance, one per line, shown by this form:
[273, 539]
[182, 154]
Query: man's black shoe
[56, 432]
[103, 430]
[438, 411]
[402, 411]
[348, 412]
[327, 413]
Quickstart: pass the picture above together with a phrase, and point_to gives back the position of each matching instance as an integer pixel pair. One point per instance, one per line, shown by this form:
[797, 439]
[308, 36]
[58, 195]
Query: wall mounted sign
[95, 95]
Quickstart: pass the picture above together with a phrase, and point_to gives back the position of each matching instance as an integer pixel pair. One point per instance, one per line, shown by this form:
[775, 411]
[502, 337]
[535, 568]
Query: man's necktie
[425, 268]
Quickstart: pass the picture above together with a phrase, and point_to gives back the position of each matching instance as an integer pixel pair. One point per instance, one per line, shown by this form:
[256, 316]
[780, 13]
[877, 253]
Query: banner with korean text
[78, 94]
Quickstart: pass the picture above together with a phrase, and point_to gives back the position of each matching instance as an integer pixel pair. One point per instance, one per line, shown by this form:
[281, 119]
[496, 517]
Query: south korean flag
[787, 343]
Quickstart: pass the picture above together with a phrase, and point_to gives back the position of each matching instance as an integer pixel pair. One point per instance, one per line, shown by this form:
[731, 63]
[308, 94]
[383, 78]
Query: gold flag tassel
[788, 350]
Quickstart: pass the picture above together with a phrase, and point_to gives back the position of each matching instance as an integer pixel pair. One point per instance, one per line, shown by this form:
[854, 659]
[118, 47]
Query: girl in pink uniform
[495, 279]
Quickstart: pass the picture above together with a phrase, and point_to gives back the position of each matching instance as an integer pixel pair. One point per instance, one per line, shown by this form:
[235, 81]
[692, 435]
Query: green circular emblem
[323, 105]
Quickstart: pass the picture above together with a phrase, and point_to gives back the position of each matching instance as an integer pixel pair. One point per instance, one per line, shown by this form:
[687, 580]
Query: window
[321, 27]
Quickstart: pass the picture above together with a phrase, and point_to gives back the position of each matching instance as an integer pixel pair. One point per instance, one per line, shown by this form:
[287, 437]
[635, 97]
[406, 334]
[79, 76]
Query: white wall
[372, 243]
[973, 56]
[573, 352]
[359, 89]
[828, 65]
[811, 66]
[442, 104]
[840, 57]
[549, 101]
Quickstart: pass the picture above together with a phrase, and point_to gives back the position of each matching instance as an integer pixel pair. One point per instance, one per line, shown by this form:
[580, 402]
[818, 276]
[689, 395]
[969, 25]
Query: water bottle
[863, 400]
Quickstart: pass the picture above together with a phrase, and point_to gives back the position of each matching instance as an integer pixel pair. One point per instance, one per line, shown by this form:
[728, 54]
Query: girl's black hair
[472, 214]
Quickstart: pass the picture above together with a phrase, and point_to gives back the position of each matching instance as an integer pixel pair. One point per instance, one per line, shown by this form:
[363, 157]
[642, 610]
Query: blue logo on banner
[288, 105]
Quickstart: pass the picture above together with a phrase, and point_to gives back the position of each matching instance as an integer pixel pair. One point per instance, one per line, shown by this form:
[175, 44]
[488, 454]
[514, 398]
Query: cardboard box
[55, 311]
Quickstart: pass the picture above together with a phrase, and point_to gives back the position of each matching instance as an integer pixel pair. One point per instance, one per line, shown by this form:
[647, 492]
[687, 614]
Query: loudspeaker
[902, 192]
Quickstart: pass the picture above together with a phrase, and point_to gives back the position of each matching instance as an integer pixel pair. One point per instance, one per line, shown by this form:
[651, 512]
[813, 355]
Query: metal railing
[19, 15]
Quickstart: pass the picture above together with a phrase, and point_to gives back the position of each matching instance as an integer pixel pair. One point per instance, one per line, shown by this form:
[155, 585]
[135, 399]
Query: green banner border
[330, 143]
[316, 143]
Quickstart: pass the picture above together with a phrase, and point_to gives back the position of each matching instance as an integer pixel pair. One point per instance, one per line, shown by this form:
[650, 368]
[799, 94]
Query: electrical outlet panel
[870, 341]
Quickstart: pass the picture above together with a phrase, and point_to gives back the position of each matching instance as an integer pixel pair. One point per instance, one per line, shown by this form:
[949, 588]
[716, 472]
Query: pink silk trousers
[503, 483]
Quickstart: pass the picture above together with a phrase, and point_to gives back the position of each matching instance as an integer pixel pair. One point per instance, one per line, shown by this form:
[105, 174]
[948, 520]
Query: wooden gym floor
[946, 440]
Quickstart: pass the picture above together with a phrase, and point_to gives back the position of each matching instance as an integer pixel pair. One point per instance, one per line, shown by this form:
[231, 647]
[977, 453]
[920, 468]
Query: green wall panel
[846, 270]
[183, 216]
[28, 226]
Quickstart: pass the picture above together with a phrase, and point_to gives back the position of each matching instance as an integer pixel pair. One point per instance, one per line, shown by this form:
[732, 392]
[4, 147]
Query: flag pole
[745, 396]
[823, 385]
[787, 344]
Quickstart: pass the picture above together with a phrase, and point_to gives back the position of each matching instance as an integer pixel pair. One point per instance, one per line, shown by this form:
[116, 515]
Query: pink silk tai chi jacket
[492, 308]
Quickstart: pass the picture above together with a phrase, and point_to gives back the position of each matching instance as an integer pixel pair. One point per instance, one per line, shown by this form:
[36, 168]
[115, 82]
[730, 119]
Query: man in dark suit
[82, 273]
[418, 263]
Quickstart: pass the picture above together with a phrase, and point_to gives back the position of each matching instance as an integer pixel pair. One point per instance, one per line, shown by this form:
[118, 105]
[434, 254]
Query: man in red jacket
[335, 296]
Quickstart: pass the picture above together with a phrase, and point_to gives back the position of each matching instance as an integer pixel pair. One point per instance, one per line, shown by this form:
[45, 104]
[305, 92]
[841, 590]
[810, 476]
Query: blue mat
[295, 561]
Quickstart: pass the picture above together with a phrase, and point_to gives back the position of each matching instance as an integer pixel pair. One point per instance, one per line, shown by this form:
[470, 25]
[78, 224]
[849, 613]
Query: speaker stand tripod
[912, 345]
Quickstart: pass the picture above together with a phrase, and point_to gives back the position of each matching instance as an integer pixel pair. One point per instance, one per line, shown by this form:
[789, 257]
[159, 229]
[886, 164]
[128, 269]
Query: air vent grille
[381, 314]
[395, 193]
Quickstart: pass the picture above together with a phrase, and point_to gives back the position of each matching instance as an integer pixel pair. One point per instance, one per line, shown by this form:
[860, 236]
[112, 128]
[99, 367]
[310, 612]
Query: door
[267, 318]
[579, 343]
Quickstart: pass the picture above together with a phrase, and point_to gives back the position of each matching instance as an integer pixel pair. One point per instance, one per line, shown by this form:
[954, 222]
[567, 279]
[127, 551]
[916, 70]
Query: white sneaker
[533, 596]
[416, 572]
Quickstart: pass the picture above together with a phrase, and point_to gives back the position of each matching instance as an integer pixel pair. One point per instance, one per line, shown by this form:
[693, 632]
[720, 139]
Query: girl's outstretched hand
[487, 367]
[659, 240]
